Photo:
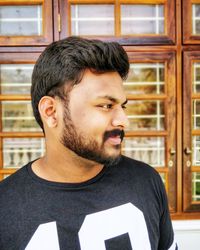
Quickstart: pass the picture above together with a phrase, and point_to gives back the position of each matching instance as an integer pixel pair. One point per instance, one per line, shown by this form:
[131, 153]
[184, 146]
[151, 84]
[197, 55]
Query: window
[130, 22]
[25, 22]
[20, 136]
[191, 146]
[191, 21]
[90, 19]
[15, 78]
[142, 19]
[151, 90]
[18, 151]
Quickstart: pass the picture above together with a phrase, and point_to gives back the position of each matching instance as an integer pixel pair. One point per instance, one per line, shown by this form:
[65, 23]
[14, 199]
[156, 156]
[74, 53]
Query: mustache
[112, 133]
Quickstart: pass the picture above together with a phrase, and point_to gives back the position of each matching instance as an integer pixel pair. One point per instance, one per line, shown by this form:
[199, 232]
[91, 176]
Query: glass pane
[196, 151]
[196, 19]
[138, 11]
[145, 78]
[160, 9]
[196, 114]
[19, 151]
[196, 186]
[138, 27]
[196, 78]
[147, 149]
[142, 19]
[15, 78]
[161, 27]
[197, 27]
[93, 28]
[90, 19]
[92, 10]
[21, 20]
[145, 115]
[18, 116]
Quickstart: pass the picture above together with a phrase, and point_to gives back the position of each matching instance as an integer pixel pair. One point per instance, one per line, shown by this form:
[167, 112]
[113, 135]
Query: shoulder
[142, 174]
[138, 167]
[13, 192]
[146, 178]
[14, 182]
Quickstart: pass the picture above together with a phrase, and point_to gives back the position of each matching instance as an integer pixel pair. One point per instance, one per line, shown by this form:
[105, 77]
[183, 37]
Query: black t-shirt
[124, 207]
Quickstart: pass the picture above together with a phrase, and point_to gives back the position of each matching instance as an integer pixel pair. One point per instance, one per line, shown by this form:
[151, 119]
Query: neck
[65, 166]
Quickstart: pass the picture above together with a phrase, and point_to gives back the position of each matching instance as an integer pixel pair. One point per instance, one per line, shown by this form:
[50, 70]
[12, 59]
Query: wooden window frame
[40, 40]
[168, 38]
[15, 58]
[188, 37]
[189, 58]
[169, 59]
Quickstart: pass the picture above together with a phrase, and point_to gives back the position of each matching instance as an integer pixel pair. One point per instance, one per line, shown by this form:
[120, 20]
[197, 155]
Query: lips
[115, 140]
[115, 137]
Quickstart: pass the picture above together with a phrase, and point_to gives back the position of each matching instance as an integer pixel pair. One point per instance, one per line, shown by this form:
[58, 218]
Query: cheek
[91, 122]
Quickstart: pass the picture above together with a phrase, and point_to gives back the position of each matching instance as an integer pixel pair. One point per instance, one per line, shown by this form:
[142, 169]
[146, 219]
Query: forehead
[92, 86]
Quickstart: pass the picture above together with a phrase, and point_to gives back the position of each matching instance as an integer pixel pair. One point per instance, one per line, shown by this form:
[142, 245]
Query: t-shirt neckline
[64, 184]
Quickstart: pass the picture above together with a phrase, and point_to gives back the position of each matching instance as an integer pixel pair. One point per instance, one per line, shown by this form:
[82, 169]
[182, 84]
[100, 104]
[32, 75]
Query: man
[83, 195]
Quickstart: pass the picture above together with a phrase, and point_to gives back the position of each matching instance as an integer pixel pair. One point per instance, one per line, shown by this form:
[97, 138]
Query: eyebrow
[112, 99]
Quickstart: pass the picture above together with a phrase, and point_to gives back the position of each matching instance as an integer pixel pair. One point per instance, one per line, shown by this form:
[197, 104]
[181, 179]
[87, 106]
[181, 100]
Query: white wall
[187, 234]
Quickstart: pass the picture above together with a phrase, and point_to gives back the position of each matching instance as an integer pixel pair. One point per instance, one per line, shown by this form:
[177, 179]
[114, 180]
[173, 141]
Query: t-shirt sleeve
[167, 239]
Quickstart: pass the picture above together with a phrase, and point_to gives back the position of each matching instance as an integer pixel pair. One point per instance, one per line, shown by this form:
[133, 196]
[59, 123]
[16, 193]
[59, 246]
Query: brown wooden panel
[24, 57]
[21, 134]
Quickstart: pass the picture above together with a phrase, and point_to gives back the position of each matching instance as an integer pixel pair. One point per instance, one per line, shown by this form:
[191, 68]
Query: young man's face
[94, 118]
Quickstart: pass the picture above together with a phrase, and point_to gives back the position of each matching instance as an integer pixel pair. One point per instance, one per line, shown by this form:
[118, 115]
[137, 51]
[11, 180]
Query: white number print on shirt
[104, 225]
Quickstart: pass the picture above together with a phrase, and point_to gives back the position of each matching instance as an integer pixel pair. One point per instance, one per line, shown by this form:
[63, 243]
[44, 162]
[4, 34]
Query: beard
[89, 148]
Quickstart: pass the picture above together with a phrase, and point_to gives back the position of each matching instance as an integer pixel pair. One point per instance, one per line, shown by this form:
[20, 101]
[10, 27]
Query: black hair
[64, 62]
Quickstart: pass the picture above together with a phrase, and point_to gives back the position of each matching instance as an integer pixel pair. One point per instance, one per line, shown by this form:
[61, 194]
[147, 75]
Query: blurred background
[162, 39]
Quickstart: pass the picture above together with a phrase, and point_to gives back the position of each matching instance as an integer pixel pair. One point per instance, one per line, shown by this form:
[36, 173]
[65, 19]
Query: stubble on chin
[89, 148]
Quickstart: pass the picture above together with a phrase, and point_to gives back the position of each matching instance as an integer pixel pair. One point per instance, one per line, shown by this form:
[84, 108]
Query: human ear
[48, 112]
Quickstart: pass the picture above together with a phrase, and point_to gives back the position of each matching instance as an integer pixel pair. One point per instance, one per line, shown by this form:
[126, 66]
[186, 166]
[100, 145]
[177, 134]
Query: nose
[120, 119]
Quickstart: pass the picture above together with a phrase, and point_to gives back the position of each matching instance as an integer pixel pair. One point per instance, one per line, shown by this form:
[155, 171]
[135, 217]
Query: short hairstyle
[65, 61]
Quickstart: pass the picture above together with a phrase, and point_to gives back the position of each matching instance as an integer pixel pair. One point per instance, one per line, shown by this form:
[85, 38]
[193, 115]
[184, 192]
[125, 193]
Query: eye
[124, 106]
[106, 106]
